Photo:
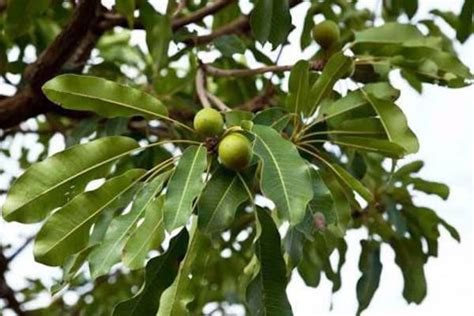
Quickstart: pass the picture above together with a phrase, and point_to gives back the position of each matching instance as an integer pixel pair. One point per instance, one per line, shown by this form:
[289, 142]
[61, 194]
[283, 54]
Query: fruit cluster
[234, 149]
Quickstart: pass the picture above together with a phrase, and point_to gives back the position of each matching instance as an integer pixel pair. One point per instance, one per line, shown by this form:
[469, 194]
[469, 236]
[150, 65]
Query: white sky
[443, 121]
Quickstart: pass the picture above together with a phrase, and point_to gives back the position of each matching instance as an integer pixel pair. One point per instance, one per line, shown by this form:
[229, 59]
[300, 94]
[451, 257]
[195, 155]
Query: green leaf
[106, 98]
[270, 21]
[175, 299]
[275, 117]
[184, 186]
[394, 123]
[380, 146]
[20, 15]
[337, 66]
[219, 201]
[149, 235]
[158, 34]
[345, 177]
[298, 88]
[266, 294]
[429, 187]
[410, 258]
[67, 230]
[354, 100]
[229, 45]
[410, 7]
[160, 273]
[464, 27]
[110, 249]
[371, 268]
[126, 8]
[412, 167]
[285, 177]
[55, 180]
[342, 208]
[235, 117]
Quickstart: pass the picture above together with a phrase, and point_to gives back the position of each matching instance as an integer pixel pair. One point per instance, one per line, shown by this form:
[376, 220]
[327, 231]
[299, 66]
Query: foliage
[168, 228]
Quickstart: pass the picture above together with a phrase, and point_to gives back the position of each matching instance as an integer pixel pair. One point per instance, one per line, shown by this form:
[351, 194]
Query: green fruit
[326, 34]
[208, 122]
[235, 151]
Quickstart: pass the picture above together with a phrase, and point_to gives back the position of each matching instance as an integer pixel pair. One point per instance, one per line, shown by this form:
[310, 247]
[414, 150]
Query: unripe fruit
[326, 34]
[208, 122]
[235, 151]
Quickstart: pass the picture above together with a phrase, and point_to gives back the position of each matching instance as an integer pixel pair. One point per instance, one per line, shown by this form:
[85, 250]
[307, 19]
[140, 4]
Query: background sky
[443, 121]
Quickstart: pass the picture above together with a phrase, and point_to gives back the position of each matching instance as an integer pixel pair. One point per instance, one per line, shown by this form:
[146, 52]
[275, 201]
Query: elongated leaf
[298, 86]
[147, 236]
[219, 201]
[394, 123]
[159, 275]
[381, 146]
[175, 299]
[67, 230]
[337, 66]
[158, 34]
[275, 117]
[266, 294]
[356, 99]
[342, 208]
[52, 182]
[351, 182]
[464, 27]
[184, 186]
[106, 98]
[109, 251]
[430, 187]
[270, 21]
[285, 175]
[412, 167]
[371, 268]
[410, 258]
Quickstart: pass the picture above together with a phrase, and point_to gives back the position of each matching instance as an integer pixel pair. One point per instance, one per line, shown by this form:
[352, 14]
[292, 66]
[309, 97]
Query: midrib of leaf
[114, 102]
[355, 146]
[279, 174]
[78, 175]
[188, 178]
[95, 213]
[214, 212]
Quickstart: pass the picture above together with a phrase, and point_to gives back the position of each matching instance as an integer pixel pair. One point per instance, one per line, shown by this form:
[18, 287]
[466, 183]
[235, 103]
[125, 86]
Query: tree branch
[6, 292]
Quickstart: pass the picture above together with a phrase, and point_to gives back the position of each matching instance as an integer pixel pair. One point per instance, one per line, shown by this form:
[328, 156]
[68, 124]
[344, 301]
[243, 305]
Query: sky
[443, 121]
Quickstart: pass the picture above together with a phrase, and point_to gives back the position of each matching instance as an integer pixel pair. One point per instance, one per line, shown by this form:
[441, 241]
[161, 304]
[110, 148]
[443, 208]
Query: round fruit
[326, 34]
[208, 122]
[235, 151]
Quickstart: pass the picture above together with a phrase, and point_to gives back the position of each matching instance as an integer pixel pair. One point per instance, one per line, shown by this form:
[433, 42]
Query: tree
[175, 209]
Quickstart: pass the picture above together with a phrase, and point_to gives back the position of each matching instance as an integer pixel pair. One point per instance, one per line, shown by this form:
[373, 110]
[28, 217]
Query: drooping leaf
[159, 275]
[394, 123]
[275, 117]
[147, 236]
[266, 294]
[412, 167]
[349, 180]
[184, 186]
[219, 201]
[270, 21]
[410, 258]
[285, 175]
[109, 251]
[67, 230]
[106, 98]
[337, 66]
[430, 187]
[464, 27]
[158, 34]
[298, 88]
[371, 268]
[55, 180]
[229, 45]
[175, 299]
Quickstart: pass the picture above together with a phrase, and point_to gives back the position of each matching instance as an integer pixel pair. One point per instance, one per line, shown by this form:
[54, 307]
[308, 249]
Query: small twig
[218, 72]
[180, 7]
[258, 102]
[201, 89]
[217, 102]
[20, 249]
